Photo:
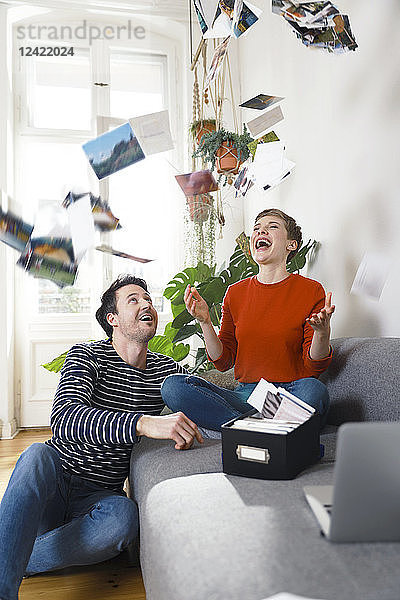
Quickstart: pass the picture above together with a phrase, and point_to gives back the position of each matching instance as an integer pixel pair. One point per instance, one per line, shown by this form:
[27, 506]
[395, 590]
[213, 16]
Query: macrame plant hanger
[215, 93]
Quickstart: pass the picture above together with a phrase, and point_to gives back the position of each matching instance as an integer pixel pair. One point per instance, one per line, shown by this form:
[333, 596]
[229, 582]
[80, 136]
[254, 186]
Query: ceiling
[175, 9]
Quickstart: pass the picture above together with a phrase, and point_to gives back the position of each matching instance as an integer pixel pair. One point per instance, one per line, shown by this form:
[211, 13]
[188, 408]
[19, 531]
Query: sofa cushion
[215, 536]
[362, 380]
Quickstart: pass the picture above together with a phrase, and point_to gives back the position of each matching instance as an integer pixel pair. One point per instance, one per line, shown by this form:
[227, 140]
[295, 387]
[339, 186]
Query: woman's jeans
[50, 519]
[210, 406]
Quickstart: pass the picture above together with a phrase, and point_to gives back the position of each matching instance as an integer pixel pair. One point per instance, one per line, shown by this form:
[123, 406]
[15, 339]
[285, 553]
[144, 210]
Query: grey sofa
[207, 535]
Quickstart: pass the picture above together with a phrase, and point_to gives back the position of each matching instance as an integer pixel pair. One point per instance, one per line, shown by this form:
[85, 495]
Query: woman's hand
[196, 305]
[320, 322]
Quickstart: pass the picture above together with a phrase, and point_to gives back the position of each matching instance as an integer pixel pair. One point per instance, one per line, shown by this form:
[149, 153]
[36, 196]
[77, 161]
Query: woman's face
[269, 242]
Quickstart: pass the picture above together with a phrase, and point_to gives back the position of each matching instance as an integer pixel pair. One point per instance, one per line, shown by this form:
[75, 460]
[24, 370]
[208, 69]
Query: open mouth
[262, 243]
[146, 318]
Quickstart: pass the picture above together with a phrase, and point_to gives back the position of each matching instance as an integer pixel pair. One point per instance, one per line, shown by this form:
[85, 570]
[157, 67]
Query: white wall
[7, 421]
[341, 127]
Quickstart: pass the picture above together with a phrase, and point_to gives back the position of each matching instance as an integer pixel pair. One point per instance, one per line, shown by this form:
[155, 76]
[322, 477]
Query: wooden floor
[110, 580]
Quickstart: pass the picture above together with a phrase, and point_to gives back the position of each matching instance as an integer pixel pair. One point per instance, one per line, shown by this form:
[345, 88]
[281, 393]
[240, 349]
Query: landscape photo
[113, 151]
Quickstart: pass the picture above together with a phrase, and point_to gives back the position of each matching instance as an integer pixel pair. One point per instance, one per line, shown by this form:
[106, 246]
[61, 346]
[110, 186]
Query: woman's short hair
[293, 230]
[109, 299]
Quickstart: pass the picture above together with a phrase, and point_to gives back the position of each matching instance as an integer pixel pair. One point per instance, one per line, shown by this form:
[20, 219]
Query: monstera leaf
[299, 260]
[56, 364]
[190, 276]
[161, 344]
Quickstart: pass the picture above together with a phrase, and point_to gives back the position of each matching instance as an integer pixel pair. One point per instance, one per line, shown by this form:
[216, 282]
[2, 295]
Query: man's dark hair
[109, 299]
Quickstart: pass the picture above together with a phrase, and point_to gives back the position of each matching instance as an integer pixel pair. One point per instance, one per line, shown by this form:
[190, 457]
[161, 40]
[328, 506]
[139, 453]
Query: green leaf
[201, 358]
[184, 332]
[163, 345]
[215, 313]
[56, 364]
[299, 260]
[180, 352]
[170, 332]
[213, 291]
[190, 276]
[182, 319]
[177, 309]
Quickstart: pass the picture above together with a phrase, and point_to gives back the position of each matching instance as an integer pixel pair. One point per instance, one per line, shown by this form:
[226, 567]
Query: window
[52, 91]
[58, 109]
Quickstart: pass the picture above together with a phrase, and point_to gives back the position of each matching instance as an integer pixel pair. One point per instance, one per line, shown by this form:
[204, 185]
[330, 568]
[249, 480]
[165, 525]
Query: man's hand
[196, 305]
[177, 427]
[320, 322]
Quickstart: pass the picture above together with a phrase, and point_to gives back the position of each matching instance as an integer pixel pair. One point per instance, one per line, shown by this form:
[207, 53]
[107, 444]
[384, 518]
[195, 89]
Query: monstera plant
[212, 287]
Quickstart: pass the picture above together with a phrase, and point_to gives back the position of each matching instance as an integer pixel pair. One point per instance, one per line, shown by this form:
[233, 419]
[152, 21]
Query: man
[64, 504]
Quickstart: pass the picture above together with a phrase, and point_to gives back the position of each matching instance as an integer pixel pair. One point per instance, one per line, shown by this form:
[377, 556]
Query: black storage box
[270, 455]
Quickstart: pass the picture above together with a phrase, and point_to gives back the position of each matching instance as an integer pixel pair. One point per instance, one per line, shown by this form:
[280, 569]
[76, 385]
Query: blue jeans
[50, 519]
[210, 406]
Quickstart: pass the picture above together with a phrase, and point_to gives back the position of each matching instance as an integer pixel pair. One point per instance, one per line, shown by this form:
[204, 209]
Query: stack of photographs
[317, 24]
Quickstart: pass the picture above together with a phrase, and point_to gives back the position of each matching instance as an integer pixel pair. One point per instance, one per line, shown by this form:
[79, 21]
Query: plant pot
[227, 159]
[199, 207]
[203, 129]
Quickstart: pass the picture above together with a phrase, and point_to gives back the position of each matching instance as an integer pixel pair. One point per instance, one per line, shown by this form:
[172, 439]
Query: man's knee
[120, 521]
[38, 457]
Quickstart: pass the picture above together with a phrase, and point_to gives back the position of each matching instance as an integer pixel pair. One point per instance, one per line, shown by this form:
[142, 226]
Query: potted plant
[225, 150]
[199, 207]
[202, 127]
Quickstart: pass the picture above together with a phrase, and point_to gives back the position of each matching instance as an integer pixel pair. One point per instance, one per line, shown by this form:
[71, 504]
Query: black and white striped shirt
[96, 406]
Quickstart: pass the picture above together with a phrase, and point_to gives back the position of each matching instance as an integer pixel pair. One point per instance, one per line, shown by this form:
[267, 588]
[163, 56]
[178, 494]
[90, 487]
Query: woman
[275, 325]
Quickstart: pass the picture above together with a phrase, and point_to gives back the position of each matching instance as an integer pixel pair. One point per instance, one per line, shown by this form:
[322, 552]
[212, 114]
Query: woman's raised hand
[196, 305]
[320, 321]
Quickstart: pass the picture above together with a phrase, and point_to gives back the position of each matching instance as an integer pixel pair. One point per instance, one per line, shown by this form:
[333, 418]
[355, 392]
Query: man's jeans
[210, 406]
[50, 519]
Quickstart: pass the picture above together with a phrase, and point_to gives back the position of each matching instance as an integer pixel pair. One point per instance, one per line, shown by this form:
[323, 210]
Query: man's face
[136, 318]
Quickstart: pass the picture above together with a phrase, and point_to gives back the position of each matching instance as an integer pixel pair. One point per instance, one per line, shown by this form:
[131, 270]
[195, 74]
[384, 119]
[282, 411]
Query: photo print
[110, 250]
[265, 139]
[217, 61]
[243, 181]
[50, 258]
[225, 18]
[14, 231]
[196, 183]
[153, 132]
[371, 275]
[260, 125]
[261, 102]
[103, 218]
[113, 151]
[244, 243]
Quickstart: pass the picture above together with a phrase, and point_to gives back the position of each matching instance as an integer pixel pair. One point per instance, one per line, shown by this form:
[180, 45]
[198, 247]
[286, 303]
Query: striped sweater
[97, 403]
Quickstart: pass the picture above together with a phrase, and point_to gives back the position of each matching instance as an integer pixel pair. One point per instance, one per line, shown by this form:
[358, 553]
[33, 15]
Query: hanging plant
[199, 207]
[202, 127]
[225, 150]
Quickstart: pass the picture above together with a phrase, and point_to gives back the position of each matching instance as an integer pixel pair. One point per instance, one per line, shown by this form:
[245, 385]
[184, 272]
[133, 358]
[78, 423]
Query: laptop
[363, 504]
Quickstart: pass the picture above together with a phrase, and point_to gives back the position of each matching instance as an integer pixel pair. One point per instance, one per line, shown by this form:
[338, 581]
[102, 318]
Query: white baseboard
[8, 430]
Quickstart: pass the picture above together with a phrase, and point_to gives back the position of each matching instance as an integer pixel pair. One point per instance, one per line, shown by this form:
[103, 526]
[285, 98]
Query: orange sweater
[264, 331]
